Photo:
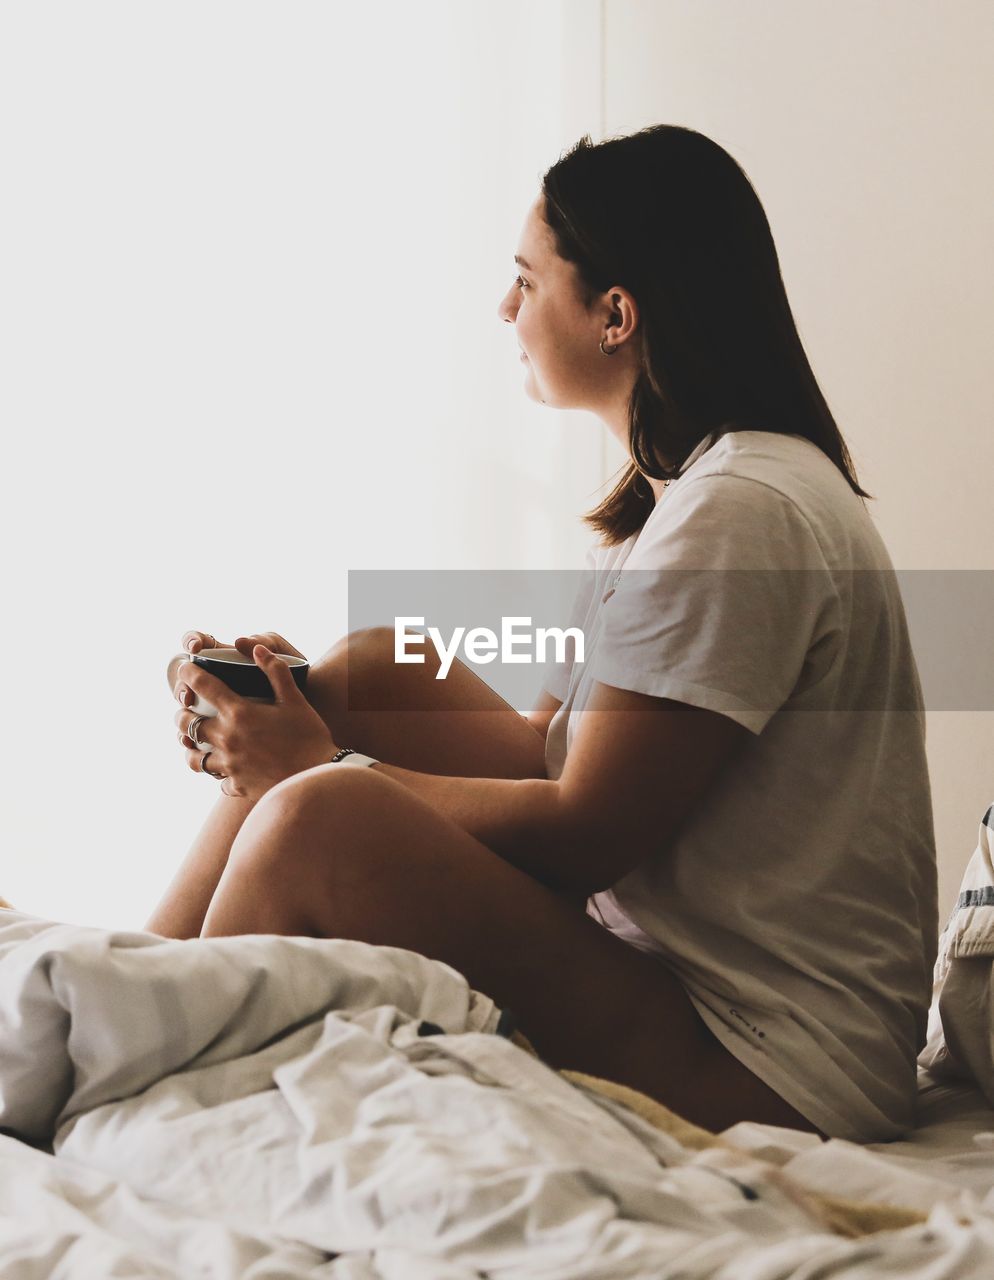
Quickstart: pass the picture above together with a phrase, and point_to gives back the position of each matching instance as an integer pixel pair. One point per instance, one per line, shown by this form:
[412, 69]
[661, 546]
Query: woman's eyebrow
[521, 263]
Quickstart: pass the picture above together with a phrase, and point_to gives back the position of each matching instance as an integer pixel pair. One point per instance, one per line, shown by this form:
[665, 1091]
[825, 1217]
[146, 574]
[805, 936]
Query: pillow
[960, 1039]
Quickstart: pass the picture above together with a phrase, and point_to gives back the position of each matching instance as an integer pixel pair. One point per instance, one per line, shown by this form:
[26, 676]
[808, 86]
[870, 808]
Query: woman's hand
[254, 745]
[270, 640]
[193, 642]
[199, 641]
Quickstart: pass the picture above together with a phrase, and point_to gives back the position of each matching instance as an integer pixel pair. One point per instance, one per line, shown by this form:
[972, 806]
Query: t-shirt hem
[830, 1122]
[695, 695]
[812, 1106]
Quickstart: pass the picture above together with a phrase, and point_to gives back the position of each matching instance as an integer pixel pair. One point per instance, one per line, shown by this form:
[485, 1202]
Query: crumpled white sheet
[261, 1107]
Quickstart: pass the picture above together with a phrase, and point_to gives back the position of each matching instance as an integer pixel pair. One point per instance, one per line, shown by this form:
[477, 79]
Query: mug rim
[239, 660]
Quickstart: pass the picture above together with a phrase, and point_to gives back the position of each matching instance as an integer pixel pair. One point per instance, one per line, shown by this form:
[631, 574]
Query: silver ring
[210, 772]
[193, 728]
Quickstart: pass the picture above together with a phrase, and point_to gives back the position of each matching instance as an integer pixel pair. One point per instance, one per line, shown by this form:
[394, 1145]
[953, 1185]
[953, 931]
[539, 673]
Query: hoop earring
[607, 353]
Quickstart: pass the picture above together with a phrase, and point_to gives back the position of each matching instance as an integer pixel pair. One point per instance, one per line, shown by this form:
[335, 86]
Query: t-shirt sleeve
[558, 676]
[719, 603]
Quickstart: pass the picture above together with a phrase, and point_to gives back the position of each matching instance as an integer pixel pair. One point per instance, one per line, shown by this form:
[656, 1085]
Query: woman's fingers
[184, 719]
[209, 687]
[199, 641]
[245, 644]
[269, 639]
[192, 642]
[172, 672]
[277, 673]
[195, 641]
[195, 761]
[193, 680]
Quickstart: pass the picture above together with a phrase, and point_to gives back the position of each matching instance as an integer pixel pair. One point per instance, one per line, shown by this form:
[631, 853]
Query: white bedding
[954, 1138]
[266, 1107]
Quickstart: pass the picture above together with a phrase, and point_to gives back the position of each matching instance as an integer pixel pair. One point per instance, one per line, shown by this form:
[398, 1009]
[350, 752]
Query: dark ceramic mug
[241, 675]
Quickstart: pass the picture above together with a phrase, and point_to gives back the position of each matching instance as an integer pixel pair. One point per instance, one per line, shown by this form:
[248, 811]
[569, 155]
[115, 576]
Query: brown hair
[670, 215]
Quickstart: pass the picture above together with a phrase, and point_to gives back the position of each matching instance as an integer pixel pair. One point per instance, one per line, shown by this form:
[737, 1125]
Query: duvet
[287, 1107]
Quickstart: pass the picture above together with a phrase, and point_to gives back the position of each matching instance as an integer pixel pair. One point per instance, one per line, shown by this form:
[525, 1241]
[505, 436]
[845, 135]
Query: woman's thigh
[352, 853]
[399, 712]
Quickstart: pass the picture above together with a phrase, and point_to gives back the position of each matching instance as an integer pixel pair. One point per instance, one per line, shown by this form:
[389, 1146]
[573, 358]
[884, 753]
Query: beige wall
[866, 127]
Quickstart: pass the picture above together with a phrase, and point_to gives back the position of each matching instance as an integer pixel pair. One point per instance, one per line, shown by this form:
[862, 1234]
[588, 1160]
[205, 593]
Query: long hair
[668, 214]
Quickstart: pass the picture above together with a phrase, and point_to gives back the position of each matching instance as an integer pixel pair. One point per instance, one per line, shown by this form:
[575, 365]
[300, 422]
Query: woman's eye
[522, 284]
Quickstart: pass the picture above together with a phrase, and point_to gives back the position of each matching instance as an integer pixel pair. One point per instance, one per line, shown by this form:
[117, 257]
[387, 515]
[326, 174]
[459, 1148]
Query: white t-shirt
[797, 904]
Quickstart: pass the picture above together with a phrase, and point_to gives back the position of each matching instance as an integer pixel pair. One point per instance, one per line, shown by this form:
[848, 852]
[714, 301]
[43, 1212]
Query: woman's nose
[507, 311]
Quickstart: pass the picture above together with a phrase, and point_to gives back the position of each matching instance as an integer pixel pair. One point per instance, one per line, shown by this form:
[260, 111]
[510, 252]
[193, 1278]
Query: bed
[288, 1107]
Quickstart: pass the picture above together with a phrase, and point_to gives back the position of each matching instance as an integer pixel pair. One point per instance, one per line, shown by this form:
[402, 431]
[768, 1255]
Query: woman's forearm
[181, 912]
[521, 819]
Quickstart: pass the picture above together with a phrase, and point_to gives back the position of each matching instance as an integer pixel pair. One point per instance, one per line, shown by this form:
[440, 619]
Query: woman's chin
[540, 397]
[532, 389]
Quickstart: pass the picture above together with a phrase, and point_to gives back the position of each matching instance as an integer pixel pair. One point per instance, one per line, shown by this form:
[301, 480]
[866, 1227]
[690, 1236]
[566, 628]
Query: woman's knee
[361, 641]
[311, 798]
[350, 673]
[315, 829]
[356, 655]
[317, 804]
[286, 858]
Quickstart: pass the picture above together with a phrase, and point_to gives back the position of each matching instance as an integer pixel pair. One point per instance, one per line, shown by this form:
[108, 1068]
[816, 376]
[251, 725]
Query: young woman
[734, 782]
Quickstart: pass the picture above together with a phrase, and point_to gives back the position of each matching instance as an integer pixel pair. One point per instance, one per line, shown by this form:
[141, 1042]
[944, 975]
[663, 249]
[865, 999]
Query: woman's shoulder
[786, 463]
[765, 480]
[754, 499]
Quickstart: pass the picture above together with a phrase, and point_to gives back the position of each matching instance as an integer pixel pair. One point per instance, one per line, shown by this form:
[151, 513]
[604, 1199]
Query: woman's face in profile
[557, 335]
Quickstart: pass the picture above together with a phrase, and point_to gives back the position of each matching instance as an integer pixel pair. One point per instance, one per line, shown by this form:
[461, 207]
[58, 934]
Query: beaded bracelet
[349, 755]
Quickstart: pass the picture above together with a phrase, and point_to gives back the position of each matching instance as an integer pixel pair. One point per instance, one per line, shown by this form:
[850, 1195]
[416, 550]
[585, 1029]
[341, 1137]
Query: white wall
[274, 225]
[253, 258]
[866, 127]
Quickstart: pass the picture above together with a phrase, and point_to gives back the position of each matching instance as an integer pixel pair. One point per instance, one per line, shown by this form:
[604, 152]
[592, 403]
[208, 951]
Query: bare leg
[350, 853]
[458, 727]
[181, 912]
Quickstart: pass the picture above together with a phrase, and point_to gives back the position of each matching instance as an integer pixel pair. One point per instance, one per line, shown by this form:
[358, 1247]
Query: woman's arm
[638, 767]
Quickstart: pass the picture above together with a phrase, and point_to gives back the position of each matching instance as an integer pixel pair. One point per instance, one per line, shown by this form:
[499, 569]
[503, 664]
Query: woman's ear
[621, 315]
